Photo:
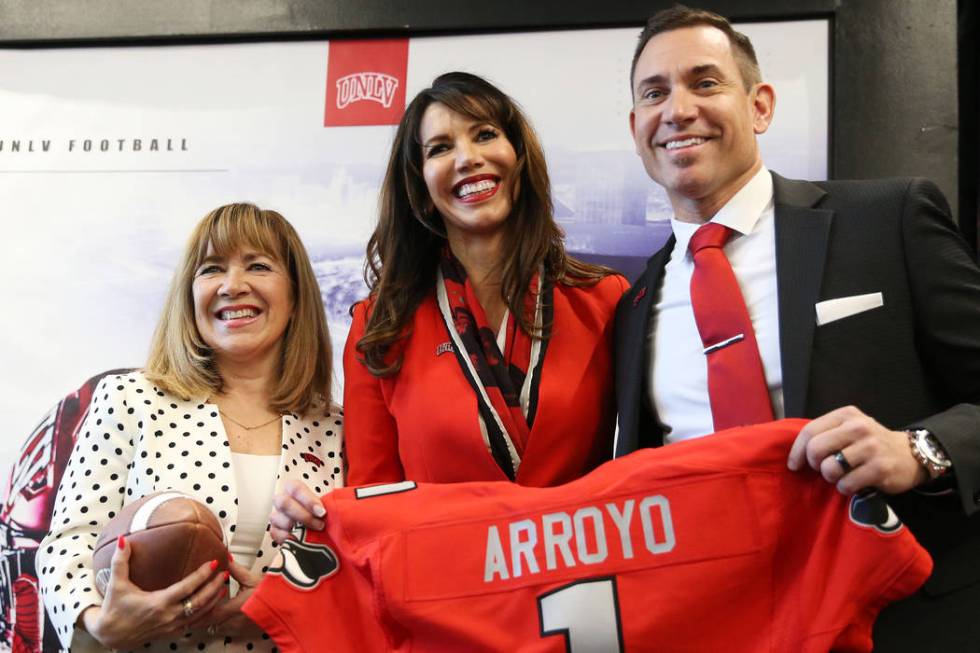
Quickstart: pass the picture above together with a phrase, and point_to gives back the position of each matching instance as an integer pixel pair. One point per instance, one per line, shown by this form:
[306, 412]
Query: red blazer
[422, 424]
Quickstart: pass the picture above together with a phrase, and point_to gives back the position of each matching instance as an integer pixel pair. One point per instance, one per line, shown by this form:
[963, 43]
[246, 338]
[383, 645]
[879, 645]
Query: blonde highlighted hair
[181, 363]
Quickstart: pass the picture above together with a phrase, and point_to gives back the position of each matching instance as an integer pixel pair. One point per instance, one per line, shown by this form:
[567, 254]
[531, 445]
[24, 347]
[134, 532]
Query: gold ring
[188, 608]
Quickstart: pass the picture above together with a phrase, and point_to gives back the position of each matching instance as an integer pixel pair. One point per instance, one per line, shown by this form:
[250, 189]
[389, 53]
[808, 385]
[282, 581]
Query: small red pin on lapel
[639, 295]
[310, 458]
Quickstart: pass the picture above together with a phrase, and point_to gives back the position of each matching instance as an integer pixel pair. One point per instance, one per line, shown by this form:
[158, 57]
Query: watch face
[931, 449]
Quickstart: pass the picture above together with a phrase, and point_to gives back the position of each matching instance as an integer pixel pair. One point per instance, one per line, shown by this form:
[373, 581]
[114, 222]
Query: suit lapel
[802, 233]
[631, 332]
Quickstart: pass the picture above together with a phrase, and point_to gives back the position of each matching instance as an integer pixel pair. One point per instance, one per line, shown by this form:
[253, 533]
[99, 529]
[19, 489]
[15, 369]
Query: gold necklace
[249, 428]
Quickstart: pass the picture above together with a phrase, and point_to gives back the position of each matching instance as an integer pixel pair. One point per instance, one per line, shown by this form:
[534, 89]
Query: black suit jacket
[914, 362]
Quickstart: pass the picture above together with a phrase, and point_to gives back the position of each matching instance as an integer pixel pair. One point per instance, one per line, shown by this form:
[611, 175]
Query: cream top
[255, 480]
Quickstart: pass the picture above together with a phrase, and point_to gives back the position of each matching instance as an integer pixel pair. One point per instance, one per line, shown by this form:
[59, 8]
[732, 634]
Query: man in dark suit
[864, 304]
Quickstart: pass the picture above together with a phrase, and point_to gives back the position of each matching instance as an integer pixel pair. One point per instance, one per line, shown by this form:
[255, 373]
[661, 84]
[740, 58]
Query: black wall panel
[969, 145]
[895, 84]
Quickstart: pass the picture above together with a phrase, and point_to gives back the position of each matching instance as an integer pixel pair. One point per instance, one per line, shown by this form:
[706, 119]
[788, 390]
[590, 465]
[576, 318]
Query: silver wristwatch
[929, 452]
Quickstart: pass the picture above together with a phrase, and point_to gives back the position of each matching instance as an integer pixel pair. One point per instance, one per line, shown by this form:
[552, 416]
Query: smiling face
[693, 121]
[468, 167]
[242, 305]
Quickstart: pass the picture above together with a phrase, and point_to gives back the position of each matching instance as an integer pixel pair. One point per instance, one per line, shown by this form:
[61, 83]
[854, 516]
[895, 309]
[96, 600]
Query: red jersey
[706, 545]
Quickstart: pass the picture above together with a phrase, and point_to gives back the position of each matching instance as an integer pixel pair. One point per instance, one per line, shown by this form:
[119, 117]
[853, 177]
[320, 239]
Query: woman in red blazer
[483, 351]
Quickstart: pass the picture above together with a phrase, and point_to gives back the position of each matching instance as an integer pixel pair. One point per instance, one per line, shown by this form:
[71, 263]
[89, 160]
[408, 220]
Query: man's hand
[879, 458]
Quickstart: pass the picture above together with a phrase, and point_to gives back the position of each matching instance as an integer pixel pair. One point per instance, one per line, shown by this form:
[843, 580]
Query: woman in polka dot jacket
[234, 401]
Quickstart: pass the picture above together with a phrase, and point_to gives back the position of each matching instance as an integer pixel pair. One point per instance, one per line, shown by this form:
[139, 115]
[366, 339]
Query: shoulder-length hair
[182, 363]
[404, 250]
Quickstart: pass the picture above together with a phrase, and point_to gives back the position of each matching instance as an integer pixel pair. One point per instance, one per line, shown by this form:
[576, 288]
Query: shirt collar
[741, 213]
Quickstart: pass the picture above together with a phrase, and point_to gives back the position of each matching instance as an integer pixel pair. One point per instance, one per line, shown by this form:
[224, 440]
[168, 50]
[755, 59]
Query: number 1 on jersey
[586, 612]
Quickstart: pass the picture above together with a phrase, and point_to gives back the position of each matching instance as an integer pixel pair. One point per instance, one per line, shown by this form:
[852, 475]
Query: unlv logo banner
[366, 82]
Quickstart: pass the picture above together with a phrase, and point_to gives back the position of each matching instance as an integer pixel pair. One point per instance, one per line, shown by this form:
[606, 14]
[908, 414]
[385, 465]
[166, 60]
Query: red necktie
[736, 382]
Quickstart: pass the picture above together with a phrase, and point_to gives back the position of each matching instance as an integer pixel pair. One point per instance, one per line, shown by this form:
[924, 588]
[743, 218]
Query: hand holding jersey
[295, 505]
[876, 457]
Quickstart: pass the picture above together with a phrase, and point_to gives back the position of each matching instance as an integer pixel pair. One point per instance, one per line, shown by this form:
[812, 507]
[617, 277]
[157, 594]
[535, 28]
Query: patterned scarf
[507, 394]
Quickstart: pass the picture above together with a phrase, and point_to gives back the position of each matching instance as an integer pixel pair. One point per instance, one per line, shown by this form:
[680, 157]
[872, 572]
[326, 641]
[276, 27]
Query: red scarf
[497, 378]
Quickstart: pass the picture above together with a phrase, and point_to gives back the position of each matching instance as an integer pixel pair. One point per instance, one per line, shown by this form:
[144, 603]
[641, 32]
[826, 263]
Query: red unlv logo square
[366, 82]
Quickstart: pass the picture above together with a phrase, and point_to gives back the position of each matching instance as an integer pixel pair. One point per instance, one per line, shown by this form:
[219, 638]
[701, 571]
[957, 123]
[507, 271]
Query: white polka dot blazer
[136, 440]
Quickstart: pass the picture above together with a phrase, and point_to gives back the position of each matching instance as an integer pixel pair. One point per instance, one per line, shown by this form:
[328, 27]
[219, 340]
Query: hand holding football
[171, 535]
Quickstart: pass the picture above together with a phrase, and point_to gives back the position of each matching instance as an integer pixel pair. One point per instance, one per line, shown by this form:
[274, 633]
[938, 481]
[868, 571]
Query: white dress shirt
[677, 382]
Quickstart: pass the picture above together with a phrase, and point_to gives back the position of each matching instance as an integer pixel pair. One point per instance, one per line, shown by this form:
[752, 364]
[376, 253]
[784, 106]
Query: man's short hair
[679, 16]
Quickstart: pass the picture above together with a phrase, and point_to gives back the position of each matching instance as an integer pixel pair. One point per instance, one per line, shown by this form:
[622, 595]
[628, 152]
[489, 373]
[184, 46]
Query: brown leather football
[170, 535]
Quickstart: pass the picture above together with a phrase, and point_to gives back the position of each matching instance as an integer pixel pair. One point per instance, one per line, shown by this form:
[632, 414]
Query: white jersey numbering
[560, 538]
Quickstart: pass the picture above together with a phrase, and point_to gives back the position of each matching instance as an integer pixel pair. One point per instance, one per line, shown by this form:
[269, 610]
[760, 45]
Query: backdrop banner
[109, 156]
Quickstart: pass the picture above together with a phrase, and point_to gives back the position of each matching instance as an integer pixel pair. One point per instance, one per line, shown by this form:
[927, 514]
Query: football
[170, 535]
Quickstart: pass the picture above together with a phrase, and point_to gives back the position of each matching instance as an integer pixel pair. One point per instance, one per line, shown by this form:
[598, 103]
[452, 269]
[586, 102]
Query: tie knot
[710, 234]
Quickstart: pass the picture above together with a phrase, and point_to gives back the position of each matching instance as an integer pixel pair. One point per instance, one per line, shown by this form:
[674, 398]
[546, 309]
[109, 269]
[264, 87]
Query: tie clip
[724, 343]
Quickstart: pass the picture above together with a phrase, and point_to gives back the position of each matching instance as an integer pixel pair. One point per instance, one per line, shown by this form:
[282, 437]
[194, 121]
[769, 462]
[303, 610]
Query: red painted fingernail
[214, 565]
[121, 542]
[227, 575]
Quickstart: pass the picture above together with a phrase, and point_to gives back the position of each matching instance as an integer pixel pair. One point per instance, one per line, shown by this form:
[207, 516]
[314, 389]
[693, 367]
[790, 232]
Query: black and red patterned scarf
[506, 382]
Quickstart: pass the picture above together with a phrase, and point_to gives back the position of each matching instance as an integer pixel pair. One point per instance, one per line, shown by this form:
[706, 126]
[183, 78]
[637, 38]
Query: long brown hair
[180, 362]
[404, 250]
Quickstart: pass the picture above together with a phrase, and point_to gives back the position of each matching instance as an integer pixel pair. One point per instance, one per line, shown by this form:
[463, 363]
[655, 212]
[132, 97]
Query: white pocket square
[836, 309]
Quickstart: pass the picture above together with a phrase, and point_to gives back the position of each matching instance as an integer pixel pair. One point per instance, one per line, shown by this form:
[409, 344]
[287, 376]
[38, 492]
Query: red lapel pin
[639, 295]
